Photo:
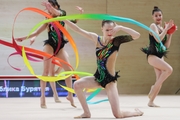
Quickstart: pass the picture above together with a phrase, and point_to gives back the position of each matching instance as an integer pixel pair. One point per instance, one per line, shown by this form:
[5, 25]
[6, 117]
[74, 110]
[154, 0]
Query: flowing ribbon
[35, 53]
[93, 94]
[97, 102]
[55, 23]
[101, 17]
[82, 16]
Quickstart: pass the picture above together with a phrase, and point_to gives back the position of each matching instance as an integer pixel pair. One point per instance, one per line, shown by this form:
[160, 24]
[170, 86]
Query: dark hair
[156, 9]
[54, 3]
[107, 21]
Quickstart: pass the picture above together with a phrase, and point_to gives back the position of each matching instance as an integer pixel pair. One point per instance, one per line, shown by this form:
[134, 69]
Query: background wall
[136, 74]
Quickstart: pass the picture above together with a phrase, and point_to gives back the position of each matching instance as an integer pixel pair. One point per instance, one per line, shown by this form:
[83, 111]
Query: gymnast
[50, 46]
[155, 53]
[107, 47]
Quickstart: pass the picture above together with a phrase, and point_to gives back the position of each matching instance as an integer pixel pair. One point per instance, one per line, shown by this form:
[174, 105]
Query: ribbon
[82, 16]
[102, 17]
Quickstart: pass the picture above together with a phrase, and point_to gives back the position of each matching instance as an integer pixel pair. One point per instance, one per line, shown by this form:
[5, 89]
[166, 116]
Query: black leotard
[102, 75]
[53, 37]
[155, 48]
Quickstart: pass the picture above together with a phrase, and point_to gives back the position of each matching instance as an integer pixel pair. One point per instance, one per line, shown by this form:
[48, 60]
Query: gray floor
[28, 108]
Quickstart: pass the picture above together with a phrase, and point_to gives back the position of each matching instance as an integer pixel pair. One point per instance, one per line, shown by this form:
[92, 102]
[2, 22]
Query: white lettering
[9, 89]
[22, 89]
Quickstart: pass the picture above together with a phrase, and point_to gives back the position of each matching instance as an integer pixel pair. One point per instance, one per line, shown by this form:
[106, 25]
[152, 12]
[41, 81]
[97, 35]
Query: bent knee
[76, 85]
[169, 70]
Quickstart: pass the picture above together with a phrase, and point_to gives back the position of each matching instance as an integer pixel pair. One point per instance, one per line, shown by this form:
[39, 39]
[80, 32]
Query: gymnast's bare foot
[43, 102]
[151, 104]
[56, 98]
[71, 100]
[140, 113]
[83, 116]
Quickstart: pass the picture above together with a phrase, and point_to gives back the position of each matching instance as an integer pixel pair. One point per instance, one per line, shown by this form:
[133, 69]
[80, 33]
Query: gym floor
[29, 108]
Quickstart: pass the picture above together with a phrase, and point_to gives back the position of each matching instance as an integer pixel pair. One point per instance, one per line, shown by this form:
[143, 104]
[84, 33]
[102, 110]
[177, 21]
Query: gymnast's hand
[80, 9]
[47, 5]
[116, 29]
[19, 39]
[32, 40]
[169, 24]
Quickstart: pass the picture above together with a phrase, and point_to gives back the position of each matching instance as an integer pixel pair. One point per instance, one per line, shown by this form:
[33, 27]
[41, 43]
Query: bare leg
[58, 70]
[64, 56]
[150, 92]
[46, 66]
[69, 97]
[112, 93]
[53, 84]
[166, 71]
[43, 101]
[55, 94]
[85, 82]
[158, 73]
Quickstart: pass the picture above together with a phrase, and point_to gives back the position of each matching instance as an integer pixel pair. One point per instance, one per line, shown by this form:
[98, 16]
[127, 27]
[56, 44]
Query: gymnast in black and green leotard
[155, 47]
[107, 48]
[53, 39]
[50, 47]
[155, 53]
[103, 53]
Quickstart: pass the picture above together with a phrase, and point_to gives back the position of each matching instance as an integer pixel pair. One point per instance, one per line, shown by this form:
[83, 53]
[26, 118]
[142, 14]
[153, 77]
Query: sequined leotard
[102, 75]
[53, 37]
[155, 48]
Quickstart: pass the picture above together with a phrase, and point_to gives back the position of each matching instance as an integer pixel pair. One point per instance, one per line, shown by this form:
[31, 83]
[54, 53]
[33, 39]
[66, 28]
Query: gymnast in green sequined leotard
[155, 53]
[102, 75]
[155, 48]
[107, 48]
[50, 47]
[53, 39]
